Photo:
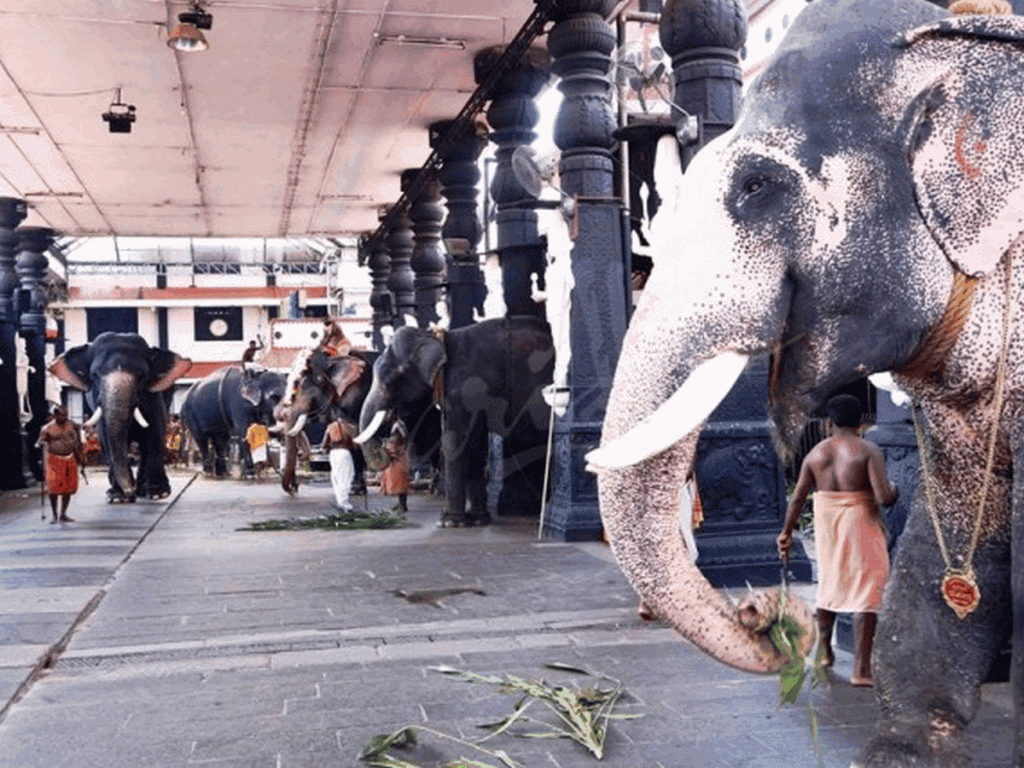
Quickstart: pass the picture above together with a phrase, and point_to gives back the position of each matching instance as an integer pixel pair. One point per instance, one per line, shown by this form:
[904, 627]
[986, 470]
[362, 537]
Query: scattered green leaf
[581, 715]
[377, 519]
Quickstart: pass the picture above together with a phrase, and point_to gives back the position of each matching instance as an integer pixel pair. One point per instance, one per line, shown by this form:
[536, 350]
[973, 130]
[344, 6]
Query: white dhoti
[853, 561]
[342, 474]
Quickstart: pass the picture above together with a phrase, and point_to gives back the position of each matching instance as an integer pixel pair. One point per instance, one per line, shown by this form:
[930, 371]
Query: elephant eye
[753, 185]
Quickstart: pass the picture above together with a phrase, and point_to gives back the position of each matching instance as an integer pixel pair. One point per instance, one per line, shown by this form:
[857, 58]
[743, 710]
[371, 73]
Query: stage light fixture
[120, 116]
[187, 36]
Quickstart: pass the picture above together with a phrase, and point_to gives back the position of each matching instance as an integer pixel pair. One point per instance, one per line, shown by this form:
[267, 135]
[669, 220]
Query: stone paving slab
[211, 646]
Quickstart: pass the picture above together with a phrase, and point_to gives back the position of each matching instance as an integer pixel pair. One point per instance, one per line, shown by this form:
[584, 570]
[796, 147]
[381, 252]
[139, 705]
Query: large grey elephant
[864, 215]
[223, 405]
[487, 377]
[123, 379]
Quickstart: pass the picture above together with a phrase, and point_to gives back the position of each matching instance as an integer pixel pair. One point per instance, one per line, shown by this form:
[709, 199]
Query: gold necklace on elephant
[959, 586]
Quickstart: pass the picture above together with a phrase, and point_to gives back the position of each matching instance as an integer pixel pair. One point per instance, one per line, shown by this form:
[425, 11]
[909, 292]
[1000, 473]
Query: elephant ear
[345, 372]
[251, 388]
[966, 158]
[73, 367]
[165, 368]
[421, 351]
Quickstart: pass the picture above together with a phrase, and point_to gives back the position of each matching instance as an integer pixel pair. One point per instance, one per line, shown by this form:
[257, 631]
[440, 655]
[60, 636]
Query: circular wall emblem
[218, 327]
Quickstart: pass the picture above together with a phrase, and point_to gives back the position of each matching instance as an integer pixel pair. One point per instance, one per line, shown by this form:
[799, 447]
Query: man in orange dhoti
[63, 442]
[848, 475]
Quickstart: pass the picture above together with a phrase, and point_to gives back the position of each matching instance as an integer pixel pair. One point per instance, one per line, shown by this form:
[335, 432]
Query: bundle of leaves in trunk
[580, 715]
[352, 520]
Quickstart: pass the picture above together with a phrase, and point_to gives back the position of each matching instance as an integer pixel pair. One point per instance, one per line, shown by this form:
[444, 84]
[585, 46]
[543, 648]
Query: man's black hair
[844, 410]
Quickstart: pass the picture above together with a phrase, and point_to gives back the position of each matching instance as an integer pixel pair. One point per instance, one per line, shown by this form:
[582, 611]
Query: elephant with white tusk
[123, 379]
[865, 214]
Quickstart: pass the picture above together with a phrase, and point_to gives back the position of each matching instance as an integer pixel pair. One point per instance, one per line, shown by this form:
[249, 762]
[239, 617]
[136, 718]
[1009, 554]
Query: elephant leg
[928, 664]
[465, 451]
[206, 453]
[245, 458]
[523, 481]
[1017, 587]
[476, 462]
[152, 481]
[359, 467]
[221, 451]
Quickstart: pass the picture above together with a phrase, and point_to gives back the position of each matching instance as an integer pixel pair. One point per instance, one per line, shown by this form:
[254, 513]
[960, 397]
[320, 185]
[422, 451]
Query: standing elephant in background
[123, 378]
[321, 387]
[865, 214]
[488, 377]
[223, 405]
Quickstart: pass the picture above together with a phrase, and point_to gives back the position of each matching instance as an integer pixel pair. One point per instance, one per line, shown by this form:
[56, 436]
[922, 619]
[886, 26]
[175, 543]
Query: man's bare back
[848, 462]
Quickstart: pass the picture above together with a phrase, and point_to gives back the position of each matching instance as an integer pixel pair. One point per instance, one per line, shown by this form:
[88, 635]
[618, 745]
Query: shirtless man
[63, 442]
[848, 474]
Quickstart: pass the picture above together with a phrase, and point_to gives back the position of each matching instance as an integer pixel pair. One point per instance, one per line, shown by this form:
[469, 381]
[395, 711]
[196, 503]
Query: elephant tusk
[683, 412]
[276, 429]
[140, 418]
[371, 429]
[299, 424]
[95, 418]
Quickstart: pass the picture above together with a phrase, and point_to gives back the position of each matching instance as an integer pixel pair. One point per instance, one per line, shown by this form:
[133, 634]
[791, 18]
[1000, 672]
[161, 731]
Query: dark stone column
[12, 212]
[427, 260]
[31, 266]
[400, 276]
[581, 44]
[380, 297]
[513, 114]
[740, 477]
[459, 176]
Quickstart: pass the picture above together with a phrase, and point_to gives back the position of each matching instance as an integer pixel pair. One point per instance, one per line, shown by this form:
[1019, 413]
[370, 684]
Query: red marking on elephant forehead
[961, 148]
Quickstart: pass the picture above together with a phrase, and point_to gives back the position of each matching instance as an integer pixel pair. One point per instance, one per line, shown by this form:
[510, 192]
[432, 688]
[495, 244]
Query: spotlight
[186, 36]
[120, 117]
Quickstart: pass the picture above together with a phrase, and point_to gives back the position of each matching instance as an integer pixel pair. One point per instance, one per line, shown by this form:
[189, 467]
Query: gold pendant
[960, 591]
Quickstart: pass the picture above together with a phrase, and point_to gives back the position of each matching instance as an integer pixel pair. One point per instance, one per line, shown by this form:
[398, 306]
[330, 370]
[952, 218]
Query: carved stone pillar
[31, 267]
[427, 261]
[12, 212]
[738, 473]
[400, 276]
[380, 297]
[459, 176]
[581, 44]
[512, 114]
[704, 38]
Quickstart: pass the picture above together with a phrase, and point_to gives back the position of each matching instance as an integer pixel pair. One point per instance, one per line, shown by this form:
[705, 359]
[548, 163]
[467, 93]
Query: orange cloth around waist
[853, 559]
[61, 474]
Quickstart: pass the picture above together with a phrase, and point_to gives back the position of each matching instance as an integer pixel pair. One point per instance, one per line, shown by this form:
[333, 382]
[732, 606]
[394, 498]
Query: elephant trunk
[666, 385]
[291, 455]
[117, 401]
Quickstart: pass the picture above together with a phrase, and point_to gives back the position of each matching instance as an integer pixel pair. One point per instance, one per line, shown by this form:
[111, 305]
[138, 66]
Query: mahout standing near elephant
[394, 478]
[864, 215]
[62, 439]
[847, 475]
[338, 444]
[124, 379]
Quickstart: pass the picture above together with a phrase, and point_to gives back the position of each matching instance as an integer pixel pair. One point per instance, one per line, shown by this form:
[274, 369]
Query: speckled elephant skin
[864, 215]
[123, 378]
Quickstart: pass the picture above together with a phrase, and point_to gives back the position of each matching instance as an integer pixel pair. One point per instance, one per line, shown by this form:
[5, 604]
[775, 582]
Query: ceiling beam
[310, 96]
